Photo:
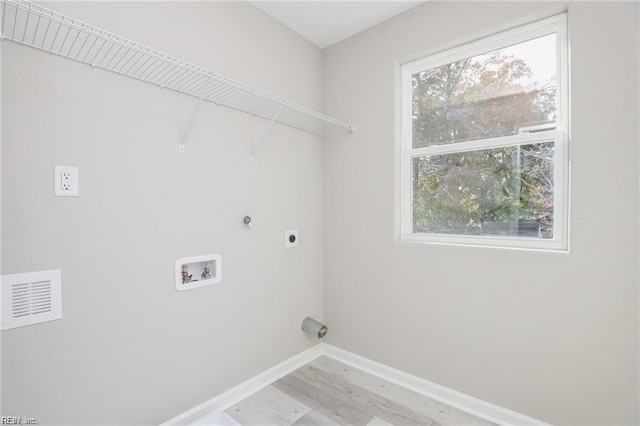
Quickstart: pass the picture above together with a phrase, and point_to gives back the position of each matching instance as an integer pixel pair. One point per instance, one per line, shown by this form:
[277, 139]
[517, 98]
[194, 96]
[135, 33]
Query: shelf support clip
[256, 146]
[185, 134]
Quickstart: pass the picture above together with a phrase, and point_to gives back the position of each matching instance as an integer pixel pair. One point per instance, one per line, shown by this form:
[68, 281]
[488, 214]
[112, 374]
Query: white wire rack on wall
[36, 26]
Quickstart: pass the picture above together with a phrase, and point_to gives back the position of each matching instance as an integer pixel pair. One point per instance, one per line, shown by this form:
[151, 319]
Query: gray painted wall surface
[0, 213]
[130, 349]
[551, 335]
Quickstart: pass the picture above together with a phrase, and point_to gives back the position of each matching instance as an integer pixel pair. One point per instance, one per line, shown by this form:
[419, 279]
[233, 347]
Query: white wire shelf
[36, 26]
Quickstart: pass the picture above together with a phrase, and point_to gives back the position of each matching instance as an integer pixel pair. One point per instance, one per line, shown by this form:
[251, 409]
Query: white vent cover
[30, 298]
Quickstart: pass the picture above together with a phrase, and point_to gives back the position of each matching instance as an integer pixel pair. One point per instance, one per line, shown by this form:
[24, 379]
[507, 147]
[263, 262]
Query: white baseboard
[464, 402]
[245, 389]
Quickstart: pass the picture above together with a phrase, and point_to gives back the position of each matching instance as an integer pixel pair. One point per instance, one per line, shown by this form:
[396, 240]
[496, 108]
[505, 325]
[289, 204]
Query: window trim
[559, 135]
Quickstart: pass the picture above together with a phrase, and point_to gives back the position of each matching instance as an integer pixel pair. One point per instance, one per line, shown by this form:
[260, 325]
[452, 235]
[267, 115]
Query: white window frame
[559, 135]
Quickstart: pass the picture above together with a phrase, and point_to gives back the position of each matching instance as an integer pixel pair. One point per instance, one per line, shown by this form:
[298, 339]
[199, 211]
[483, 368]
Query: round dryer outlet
[291, 238]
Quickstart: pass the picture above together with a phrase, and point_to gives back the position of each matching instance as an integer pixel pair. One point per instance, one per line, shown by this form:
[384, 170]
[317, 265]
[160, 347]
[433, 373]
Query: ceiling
[327, 22]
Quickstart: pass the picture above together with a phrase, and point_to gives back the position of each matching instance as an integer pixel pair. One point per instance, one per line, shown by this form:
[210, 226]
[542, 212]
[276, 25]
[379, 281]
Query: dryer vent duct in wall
[315, 328]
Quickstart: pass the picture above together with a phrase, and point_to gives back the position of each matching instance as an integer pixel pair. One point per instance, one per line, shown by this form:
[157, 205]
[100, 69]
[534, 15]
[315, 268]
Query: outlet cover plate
[66, 181]
[291, 238]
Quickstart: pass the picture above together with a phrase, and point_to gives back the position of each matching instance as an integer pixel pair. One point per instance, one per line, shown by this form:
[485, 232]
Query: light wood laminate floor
[326, 392]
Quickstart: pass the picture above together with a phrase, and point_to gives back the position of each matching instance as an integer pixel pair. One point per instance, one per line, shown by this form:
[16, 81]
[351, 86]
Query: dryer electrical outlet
[291, 238]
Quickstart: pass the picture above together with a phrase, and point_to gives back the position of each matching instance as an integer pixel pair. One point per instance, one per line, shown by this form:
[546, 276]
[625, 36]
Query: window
[484, 141]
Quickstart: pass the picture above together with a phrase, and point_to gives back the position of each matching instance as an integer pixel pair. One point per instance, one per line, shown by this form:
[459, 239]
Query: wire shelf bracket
[183, 137]
[256, 146]
[36, 26]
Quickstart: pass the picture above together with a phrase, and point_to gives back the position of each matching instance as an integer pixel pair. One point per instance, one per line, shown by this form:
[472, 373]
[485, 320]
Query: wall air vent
[30, 298]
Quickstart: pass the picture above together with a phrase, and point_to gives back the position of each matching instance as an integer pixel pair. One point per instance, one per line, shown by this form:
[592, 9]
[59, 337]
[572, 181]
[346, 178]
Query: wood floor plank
[338, 408]
[437, 410]
[326, 392]
[269, 406]
[378, 422]
[313, 418]
[366, 401]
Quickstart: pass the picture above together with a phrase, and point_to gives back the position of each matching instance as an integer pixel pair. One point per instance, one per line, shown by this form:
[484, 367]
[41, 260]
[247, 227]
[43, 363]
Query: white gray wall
[130, 349]
[551, 335]
[0, 214]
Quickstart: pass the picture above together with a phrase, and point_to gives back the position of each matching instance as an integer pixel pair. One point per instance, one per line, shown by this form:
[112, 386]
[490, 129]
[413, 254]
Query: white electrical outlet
[291, 238]
[66, 181]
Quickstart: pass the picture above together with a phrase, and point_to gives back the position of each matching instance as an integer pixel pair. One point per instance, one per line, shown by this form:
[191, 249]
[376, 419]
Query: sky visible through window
[535, 53]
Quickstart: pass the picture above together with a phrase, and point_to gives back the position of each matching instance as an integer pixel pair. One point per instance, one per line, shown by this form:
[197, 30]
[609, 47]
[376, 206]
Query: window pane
[502, 192]
[500, 93]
